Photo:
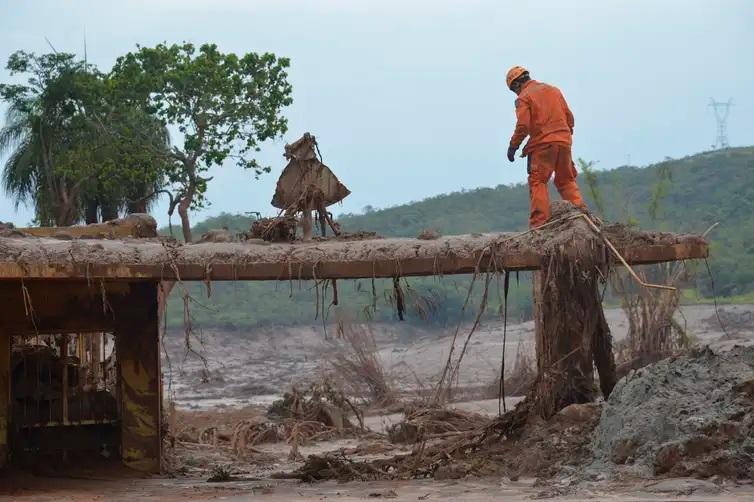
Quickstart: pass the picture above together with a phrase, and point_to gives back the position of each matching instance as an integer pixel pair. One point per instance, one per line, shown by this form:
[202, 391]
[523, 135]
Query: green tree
[592, 184]
[127, 156]
[74, 150]
[34, 135]
[223, 105]
[660, 189]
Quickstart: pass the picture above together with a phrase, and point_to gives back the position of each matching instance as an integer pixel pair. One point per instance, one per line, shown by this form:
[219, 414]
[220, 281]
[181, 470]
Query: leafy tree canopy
[73, 150]
[224, 105]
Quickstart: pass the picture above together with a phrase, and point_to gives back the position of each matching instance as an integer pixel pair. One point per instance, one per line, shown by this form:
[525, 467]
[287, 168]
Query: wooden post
[571, 331]
[307, 225]
[138, 356]
[5, 340]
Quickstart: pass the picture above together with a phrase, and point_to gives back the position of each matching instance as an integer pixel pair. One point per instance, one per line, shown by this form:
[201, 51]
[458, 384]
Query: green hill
[702, 189]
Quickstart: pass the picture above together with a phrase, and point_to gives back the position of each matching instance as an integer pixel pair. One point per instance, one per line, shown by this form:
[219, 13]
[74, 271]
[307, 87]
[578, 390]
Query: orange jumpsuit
[543, 114]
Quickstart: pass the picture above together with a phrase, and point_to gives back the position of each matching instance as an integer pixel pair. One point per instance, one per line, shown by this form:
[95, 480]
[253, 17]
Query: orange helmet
[514, 73]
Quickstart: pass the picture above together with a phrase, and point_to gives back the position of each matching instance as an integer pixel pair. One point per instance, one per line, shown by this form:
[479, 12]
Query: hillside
[705, 188]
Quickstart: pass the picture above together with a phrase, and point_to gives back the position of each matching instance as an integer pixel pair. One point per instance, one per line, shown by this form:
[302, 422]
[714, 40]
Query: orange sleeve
[569, 114]
[523, 116]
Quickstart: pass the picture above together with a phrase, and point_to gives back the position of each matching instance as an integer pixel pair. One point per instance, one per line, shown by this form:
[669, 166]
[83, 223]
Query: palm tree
[28, 174]
[73, 149]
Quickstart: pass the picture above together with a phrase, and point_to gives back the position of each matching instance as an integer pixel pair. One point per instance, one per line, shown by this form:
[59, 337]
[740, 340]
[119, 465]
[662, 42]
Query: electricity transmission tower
[722, 110]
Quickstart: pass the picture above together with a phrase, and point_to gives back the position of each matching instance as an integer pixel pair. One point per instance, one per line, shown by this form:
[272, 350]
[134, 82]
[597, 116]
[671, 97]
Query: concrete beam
[149, 260]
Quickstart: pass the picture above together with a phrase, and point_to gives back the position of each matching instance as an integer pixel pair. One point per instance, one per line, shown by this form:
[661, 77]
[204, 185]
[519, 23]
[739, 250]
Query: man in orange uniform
[543, 114]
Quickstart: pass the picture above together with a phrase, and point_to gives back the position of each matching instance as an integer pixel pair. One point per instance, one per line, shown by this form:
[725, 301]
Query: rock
[667, 458]
[748, 445]
[728, 464]
[623, 450]
[746, 388]
[698, 445]
[727, 431]
[579, 413]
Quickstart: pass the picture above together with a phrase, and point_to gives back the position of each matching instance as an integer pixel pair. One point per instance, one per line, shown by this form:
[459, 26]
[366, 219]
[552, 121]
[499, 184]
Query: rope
[623, 260]
[714, 298]
[501, 395]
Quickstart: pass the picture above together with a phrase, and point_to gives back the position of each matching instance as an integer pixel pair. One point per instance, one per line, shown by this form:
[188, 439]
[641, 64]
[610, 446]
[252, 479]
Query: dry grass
[520, 378]
[358, 364]
[321, 412]
[653, 333]
[523, 374]
[424, 424]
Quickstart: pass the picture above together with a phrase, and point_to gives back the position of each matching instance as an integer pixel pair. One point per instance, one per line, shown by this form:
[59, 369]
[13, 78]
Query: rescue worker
[543, 114]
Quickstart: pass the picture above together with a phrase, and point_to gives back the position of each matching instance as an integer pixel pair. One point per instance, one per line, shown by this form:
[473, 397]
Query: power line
[721, 110]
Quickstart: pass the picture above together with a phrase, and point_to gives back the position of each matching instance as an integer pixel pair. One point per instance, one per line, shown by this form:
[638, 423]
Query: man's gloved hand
[511, 153]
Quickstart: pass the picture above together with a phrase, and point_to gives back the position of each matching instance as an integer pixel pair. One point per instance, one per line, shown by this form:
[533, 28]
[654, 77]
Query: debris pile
[425, 424]
[321, 412]
[686, 416]
[278, 229]
[321, 402]
[541, 448]
[691, 415]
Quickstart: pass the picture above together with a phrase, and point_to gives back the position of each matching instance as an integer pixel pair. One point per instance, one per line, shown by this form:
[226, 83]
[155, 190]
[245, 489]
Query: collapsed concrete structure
[59, 284]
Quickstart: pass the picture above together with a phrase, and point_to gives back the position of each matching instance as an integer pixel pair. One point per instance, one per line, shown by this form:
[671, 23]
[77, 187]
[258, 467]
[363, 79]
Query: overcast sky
[407, 98]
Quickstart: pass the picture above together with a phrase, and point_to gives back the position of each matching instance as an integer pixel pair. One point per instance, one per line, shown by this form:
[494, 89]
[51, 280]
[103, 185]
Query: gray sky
[408, 99]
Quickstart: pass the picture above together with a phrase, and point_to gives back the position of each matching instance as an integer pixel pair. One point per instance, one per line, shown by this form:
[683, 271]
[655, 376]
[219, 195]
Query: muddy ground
[245, 372]
[473, 490]
[256, 367]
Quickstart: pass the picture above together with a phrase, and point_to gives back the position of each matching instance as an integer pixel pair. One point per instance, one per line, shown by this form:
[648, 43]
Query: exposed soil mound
[685, 416]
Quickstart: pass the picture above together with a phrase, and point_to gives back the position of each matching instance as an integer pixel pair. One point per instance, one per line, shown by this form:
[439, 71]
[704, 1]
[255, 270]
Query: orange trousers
[542, 163]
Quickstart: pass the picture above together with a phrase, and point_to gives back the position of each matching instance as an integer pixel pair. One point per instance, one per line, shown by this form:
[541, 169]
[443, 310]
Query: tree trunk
[90, 212]
[183, 212]
[571, 331]
[188, 197]
[109, 211]
[66, 214]
[139, 200]
[139, 206]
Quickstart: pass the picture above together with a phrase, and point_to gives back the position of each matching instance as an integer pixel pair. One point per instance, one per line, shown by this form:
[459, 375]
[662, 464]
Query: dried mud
[16, 247]
[691, 415]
